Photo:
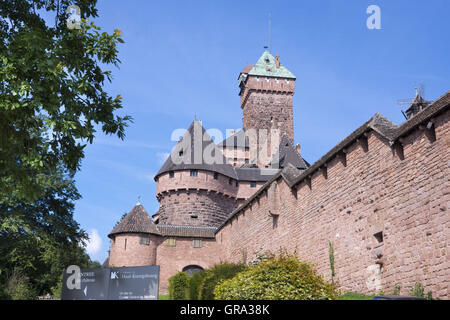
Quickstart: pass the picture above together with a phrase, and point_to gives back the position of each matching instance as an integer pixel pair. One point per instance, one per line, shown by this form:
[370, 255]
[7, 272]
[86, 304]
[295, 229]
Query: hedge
[214, 275]
[279, 278]
[178, 286]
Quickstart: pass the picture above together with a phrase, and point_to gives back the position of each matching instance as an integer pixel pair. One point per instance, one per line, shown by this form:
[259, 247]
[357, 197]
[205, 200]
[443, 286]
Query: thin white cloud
[94, 244]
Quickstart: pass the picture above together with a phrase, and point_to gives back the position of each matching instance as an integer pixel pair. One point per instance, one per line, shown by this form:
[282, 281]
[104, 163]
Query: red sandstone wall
[408, 200]
[195, 208]
[204, 180]
[135, 254]
[268, 104]
[173, 259]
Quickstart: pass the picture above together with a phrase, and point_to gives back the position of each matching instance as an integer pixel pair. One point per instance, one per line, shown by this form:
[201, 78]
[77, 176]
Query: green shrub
[418, 290]
[396, 291]
[3, 294]
[194, 284]
[214, 275]
[178, 286]
[280, 278]
[18, 287]
[355, 296]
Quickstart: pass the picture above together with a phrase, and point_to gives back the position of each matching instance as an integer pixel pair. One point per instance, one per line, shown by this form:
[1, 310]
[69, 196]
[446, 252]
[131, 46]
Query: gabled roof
[378, 123]
[255, 174]
[266, 67]
[287, 154]
[436, 107]
[136, 221]
[188, 153]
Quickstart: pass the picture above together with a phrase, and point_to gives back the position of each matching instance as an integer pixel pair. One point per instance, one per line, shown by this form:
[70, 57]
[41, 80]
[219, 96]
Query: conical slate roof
[196, 150]
[267, 67]
[136, 221]
[287, 154]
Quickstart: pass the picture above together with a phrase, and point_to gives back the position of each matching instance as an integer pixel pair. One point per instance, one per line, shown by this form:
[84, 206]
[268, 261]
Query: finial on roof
[139, 201]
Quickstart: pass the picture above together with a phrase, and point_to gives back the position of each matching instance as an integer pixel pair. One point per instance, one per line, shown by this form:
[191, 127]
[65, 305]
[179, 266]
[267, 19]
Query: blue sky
[181, 59]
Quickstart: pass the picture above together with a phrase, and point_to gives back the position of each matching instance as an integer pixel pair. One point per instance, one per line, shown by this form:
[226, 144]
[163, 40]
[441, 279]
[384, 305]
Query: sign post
[124, 283]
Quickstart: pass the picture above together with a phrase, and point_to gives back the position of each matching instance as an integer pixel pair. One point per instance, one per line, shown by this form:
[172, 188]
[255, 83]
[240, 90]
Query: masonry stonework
[380, 197]
[375, 192]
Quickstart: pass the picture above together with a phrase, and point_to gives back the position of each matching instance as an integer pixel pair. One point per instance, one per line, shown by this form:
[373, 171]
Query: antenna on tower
[270, 27]
[416, 105]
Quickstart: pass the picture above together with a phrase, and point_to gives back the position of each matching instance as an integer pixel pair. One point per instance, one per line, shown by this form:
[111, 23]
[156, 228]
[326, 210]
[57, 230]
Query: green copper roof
[266, 67]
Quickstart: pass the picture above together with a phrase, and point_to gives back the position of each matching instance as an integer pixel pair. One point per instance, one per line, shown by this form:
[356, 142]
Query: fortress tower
[266, 91]
[195, 186]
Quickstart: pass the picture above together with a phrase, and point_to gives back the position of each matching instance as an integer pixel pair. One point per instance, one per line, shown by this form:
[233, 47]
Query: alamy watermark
[74, 19]
[374, 20]
[258, 146]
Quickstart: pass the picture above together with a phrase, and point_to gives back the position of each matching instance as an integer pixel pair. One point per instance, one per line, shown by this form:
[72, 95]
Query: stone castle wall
[267, 104]
[387, 218]
[127, 250]
[195, 208]
[173, 259]
[195, 201]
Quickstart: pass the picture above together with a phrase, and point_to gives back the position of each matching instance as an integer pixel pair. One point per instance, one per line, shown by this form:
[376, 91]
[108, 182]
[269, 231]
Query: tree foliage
[52, 94]
[52, 101]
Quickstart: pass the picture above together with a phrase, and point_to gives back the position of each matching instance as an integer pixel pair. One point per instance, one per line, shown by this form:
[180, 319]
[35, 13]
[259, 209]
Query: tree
[51, 92]
[52, 101]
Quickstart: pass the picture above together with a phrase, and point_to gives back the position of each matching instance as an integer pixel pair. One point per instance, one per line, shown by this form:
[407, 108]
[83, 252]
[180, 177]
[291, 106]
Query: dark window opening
[253, 184]
[379, 236]
[180, 153]
[171, 174]
[230, 181]
[194, 173]
[216, 176]
[191, 269]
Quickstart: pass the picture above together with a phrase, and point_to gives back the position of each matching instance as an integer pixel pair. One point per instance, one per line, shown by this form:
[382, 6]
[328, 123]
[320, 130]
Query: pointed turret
[197, 151]
[136, 221]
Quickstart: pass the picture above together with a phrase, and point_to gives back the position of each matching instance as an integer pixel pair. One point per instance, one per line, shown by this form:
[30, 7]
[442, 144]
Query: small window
[180, 153]
[144, 239]
[216, 176]
[171, 174]
[194, 173]
[230, 181]
[253, 184]
[171, 242]
[197, 243]
[379, 236]
[237, 183]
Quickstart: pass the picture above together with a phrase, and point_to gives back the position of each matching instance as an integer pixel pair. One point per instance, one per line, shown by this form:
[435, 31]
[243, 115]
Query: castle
[380, 197]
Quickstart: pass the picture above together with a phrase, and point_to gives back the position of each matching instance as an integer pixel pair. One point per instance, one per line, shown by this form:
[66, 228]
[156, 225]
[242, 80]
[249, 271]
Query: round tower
[134, 240]
[196, 186]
